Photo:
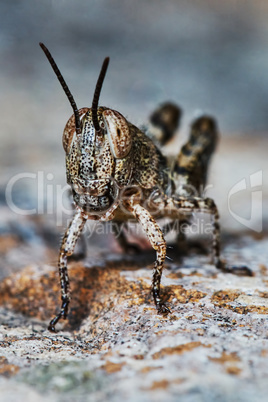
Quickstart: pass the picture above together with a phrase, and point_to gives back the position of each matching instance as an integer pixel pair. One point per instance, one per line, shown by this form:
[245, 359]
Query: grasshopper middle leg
[158, 243]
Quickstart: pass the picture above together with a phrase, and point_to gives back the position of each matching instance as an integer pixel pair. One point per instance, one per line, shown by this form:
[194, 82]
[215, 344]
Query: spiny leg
[80, 251]
[196, 204]
[181, 244]
[67, 247]
[206, 205]
[215, 233]
[158, 242]
[219, 263]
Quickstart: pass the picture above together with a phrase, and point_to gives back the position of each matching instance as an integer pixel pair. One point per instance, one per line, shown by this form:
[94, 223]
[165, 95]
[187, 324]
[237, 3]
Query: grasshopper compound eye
[118, 133]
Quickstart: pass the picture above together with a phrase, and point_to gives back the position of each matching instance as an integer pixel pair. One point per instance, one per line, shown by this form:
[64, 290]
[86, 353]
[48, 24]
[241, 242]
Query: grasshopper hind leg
[178, 205]
[206, 205]
[164, 122]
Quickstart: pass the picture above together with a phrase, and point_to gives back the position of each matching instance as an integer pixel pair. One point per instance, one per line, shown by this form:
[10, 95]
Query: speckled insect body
[116, 171]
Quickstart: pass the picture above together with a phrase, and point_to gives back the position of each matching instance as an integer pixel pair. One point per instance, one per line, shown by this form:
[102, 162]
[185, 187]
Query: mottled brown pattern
[7, 369]
[193, 160]
[7, 242]
[69, 130]
[178, 349]
[111, 367]
[225, 358]
[224, 298]
[93, 291]
[229, 361]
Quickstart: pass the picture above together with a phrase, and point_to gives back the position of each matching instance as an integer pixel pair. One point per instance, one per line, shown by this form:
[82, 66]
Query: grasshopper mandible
[116, 171]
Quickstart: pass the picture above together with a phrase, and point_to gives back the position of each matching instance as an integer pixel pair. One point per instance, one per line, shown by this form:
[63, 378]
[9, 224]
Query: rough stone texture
[213, 346]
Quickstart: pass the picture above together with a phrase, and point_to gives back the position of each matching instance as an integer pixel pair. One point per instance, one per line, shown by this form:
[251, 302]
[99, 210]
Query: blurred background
[205, 55]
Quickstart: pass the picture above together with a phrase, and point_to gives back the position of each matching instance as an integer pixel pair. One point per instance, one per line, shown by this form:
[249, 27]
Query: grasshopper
[117, 172]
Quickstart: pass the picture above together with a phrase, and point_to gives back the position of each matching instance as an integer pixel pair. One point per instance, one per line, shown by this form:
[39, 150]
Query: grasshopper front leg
[156, 238]
[67, 248]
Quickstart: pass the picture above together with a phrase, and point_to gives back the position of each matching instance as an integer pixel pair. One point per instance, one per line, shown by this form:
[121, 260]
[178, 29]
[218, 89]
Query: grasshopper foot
[63, 314]
[239, 270]
[163, 309]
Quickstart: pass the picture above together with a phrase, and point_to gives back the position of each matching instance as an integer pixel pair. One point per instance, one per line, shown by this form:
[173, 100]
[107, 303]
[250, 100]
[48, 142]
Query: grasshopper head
[113, 128]
[92, 155]
[95, 140]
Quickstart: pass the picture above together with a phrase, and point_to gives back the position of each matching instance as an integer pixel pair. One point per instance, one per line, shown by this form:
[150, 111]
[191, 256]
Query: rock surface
[213, 346]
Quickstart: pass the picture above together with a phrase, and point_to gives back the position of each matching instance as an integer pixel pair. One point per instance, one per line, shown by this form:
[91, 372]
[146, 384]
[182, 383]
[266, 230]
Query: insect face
[92, 156]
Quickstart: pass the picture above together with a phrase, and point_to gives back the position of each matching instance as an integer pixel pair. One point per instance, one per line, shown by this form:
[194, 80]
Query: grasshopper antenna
[97, 94]
[64, 87]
